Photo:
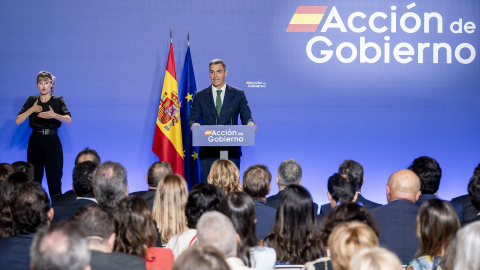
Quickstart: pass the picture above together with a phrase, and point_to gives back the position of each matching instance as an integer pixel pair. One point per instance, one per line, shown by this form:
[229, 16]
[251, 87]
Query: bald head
[403, 184]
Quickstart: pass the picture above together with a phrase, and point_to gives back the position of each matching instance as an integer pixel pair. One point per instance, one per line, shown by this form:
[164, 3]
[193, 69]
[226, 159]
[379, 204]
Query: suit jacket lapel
[210, 102]
[227, 99]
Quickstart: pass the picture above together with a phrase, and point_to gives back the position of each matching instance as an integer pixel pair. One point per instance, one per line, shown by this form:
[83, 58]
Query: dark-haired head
[5, 170]
[25, 167]
[88, 154]
[31, 207]
[341, 188]
[82, 178]
[429, 172]
[354, 169]
[256, 181]
[95, 223]
[474, 191]
[157, 171]
[202, 198]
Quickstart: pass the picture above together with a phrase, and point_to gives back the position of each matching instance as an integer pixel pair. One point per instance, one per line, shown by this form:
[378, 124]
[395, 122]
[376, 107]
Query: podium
[223, 136]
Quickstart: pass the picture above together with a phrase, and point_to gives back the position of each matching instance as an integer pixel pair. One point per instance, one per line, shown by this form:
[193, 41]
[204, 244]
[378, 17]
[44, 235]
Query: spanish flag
[167, 141]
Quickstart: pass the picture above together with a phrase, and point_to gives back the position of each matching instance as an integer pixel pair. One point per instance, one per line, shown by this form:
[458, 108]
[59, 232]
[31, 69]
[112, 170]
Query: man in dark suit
[256, 183]
[289, 173]
[82, 186]
[429, 172]
[156, 172]
[99, 227]
[474, 195]
[219, 104]
[109, 182]
[396, 219]
[355, 170]
[469, 211]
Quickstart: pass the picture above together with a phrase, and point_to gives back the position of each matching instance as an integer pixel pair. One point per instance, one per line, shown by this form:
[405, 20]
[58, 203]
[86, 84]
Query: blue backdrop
[109, 58]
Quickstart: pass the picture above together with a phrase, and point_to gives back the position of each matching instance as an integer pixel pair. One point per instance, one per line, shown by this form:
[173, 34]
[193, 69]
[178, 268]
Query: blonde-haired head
[225, 175]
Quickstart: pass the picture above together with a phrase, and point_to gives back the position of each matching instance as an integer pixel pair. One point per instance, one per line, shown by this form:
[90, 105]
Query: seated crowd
[232, 224]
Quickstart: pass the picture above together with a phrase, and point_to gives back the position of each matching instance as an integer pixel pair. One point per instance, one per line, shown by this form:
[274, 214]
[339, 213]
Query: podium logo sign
[240, 135]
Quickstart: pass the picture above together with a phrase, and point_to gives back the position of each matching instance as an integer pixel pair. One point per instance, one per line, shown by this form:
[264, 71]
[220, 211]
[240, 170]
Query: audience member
[345, 212]
[225, 175]
[341, 188]
[462, 253]
[99, 228]
[69, 197]
[156, 172]
[217, 230]
[435, 227]
[396, 219]
[376, 258]
[82, 186]
[474, 194]
[201, 257]
[355, 171]
[256, 183]
[469, 211]
[25, 167]
[31, 212]
[60, 247]
[13, 181]
[239, 207]
[5, 170]
[289, 173]
[136, 234]
[169, 206]
[430, 173]
[294, 235]
[109, 182]
[202, 198]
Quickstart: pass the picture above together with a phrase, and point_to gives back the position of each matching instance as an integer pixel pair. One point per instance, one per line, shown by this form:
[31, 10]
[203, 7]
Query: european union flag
[187, 90]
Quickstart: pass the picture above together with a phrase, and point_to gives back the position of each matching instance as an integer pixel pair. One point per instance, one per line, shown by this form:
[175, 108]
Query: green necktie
[218, 102]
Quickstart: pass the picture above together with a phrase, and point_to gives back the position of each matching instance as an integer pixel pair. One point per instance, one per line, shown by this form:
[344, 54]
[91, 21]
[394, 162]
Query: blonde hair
[376, 258]
[225, 175]
[169, 206]
[347, 239]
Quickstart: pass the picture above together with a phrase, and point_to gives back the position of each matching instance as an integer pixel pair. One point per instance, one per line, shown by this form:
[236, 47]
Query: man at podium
[219, 104]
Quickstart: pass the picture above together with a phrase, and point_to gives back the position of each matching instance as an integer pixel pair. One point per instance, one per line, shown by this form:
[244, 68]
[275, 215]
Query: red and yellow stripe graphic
[306, 19]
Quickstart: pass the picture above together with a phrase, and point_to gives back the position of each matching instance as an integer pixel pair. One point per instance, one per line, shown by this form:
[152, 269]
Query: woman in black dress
[46, 114]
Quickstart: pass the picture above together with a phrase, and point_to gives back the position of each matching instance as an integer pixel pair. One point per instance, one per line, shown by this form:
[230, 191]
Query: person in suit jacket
[219, 104]
[156, 172]
[256, 183]
[82, 186]
[355, 170]
[469, 211]
[429, 172]
[289, 173]
[474, 194]
[397, 219]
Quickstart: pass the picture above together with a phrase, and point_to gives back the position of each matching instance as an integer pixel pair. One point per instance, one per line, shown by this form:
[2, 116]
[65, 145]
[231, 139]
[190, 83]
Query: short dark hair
[477, 169]
[109, 183]
[88, 151]
[25, 167]
[474, 191]
[354, 169]
[94, 221]
[256, 181]
[342, 187]
[289, 173]
[60, 247]
[218, 61]
[30, 206]
[202, 198]
[157, 171]
[5, 170]
[429, 172]
[82, 179]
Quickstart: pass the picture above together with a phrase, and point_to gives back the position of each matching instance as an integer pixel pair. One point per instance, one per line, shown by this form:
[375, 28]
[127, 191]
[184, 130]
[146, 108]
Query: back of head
[342, 187]
[403, 184]
[25, 167]
[463, 251]
[157, 171]
[289, 173]
[476, 170]
[376, 258]
[5, 170]
[169, 206]
[474, 191]
[347, 239]
[354, 169]
[12, 182]
[95, 223]
[60, 247]
[346, 212]
[436, 225]
[239, 207]
[429, 172]
[225, 175]
[134, 226]
[88, 154]
[201, 257]
[82, 179]
[256, 181]
[215, 229]
[202, 198]
[109, 183]
[30, 206]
